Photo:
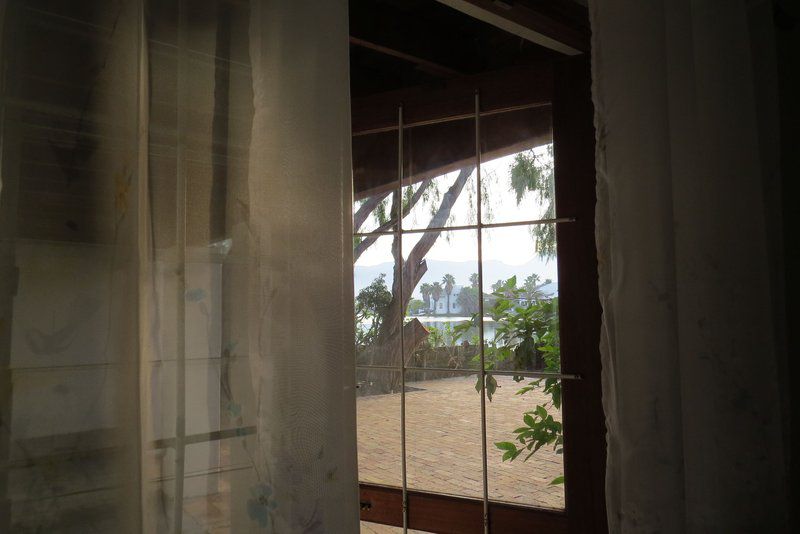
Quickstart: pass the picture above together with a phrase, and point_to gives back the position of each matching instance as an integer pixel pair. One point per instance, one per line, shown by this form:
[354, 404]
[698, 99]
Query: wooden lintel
[501, 89]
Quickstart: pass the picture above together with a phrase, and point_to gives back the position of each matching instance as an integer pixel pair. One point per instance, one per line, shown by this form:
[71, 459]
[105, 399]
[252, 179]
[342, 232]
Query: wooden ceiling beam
[524, 20]
[435, 48]
[425, 65]
[442, 147]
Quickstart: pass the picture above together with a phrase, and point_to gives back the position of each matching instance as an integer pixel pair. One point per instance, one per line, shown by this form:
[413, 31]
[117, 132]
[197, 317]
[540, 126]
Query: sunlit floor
[443, 442]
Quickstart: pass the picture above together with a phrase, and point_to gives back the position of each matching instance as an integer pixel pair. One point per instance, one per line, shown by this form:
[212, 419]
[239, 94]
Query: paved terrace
[444, 442]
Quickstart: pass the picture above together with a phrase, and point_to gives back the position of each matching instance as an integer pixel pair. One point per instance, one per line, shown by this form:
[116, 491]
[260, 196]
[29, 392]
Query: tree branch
[366, 208]
[370, 240]
[417, 255]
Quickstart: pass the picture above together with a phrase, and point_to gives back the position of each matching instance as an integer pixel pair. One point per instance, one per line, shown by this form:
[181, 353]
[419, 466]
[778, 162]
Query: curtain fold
[686, 233]
[176, 320]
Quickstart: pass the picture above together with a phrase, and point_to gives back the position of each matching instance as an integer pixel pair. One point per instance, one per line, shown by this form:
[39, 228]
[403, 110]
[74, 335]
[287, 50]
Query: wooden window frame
[566, 85]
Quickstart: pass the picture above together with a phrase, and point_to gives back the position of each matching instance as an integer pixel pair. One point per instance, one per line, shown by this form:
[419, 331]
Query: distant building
[440, 307]
[547, 292]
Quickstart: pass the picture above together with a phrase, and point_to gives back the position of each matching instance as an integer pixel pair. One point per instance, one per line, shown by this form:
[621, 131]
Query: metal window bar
[398, 233]
[467, 227]
[399, 266]
[482, 353]
[468, 371]
[452, 118]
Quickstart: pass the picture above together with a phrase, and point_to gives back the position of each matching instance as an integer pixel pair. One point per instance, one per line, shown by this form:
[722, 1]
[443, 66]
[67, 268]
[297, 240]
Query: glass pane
[378, 413]
[439, 175]
[517, 166]
[520, 280]
[374, 179]
[207, 483]
[443, 301]
[443, 435]
[520, 417]
[375, 307]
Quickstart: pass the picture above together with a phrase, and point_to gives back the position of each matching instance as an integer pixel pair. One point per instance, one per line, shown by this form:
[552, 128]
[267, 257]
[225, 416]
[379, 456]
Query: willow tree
[530, 173]
[414, 267]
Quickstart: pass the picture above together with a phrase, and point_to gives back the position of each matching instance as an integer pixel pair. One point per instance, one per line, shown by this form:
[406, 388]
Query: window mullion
[481, 352]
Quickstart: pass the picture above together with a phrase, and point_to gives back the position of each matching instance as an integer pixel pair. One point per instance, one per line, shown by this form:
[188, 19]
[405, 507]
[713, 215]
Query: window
[451, 406]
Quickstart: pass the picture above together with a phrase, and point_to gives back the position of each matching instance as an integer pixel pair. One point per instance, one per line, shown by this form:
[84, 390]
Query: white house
[440, 307]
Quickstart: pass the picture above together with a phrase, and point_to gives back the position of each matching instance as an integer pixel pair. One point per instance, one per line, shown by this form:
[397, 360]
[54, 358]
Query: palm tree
[473, 279]
[426, 289]
[449, 282]
[436, 293]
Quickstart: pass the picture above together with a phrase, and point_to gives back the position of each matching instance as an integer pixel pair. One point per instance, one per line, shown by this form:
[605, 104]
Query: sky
[511, 246]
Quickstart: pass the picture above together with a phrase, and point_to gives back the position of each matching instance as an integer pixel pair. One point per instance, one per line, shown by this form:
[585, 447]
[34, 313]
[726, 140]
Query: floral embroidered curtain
[175, 321]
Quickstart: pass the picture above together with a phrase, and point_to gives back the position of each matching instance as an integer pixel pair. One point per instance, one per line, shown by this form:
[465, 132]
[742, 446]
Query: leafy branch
[526, 337]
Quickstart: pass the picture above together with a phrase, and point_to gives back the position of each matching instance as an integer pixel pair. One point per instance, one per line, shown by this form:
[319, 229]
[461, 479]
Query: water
[442, 322]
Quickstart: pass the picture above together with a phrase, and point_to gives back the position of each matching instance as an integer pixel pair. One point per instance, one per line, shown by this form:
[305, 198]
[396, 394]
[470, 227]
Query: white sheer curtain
[687, 174]
[175, 252]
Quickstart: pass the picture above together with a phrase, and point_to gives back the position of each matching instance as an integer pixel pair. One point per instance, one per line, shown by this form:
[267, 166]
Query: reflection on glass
[524, 442]
[443, 435]
[439, 175]
[214, 500]
[517, 183]
[520, 278]
[440, 328]
[210, 467]
[376, 311]
[214, 397]
[378, 413]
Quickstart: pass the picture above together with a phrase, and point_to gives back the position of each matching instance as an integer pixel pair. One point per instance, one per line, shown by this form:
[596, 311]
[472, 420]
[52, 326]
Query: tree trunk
[411, 272]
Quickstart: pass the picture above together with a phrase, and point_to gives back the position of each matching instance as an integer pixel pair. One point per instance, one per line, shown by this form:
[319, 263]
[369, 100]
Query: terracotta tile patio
[444, 445]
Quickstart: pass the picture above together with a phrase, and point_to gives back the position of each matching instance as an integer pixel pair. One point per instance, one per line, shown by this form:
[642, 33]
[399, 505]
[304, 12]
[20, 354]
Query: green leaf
[557, 480]
[491, 386]
[529, 420]
[505, 446]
